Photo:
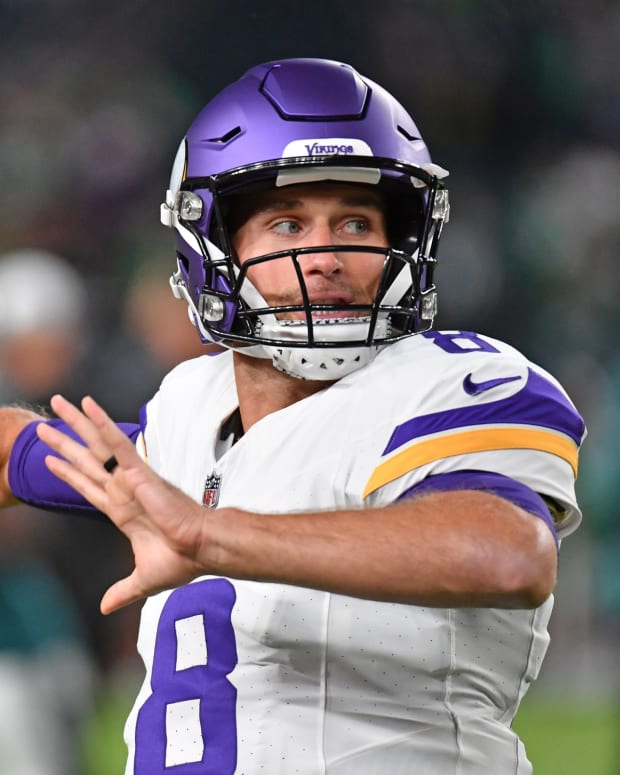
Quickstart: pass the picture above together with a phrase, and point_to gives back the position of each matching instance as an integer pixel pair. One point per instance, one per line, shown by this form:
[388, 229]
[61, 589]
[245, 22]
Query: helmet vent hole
[226, 138]
[406, 134]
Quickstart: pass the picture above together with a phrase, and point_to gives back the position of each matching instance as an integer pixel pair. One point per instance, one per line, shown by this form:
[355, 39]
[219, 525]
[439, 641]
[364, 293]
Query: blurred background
[520, 101]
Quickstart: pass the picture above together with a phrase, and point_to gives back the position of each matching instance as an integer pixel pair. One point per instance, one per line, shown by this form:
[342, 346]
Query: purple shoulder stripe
[498, 484]
[143, 418]
[539, 403]
[31, 481]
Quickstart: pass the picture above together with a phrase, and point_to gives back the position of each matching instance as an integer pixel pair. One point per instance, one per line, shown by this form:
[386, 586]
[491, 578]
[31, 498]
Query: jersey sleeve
[33, 483]
[532, 436]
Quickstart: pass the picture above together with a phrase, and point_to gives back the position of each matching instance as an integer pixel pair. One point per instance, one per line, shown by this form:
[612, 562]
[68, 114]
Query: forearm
[447, 549]
[13, 420]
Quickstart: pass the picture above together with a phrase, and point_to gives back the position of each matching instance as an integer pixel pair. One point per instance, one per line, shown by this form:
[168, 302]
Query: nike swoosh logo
[475, 388]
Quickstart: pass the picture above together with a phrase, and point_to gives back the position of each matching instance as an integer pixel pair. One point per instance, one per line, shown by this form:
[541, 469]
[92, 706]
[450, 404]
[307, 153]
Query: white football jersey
[247, 677]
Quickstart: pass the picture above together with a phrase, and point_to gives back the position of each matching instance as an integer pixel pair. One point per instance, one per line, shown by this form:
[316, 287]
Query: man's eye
[286, 227]
[356, 226]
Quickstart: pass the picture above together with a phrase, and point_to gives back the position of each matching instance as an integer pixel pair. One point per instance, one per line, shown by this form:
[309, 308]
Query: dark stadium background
[520, 101]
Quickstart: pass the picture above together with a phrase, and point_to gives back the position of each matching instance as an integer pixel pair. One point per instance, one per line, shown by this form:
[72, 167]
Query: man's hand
[163, 525]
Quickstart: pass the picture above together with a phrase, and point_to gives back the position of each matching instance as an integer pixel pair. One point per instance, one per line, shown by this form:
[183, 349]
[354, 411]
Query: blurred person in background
[42, 312]
[563, 229]
[46, 668]
[154, 333]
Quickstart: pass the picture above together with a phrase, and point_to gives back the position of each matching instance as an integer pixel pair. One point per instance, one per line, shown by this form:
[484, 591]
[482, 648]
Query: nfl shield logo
[212, 491]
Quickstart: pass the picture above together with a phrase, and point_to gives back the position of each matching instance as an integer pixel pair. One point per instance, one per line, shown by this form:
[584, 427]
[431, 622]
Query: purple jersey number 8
[188, 724]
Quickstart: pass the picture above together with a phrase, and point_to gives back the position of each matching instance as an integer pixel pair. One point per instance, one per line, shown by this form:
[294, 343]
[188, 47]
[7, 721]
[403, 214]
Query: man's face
[307, 215]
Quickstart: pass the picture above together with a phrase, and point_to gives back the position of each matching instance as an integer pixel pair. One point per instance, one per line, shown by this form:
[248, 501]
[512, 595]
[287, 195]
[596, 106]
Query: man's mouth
[331, 301]
[336, 302]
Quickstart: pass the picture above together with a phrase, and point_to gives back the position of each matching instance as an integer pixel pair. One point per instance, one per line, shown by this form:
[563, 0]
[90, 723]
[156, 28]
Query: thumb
[121, 594]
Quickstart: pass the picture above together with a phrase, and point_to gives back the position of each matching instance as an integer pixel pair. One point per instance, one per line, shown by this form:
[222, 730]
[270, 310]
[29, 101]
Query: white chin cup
[318, 363]
[313, 364]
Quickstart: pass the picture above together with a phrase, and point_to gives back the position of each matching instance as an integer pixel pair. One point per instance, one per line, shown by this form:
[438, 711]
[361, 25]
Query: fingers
[78, 455]
[110, 435]
[101, 435]
[82, 467]
[88, 486]
[83, 427]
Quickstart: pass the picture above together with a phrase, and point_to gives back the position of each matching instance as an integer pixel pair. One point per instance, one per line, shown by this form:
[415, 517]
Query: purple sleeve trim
[498, 484]
[142, 418]
[33, 483]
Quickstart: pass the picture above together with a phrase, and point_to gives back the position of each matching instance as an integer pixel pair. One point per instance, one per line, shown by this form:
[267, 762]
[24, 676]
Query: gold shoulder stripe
[480, 440]
[141, 447]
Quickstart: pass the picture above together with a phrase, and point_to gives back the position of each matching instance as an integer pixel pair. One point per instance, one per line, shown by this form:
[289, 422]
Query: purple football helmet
[299, 121]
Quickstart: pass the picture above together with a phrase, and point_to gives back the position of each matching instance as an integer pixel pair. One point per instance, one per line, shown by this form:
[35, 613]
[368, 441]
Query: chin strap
[327, 364]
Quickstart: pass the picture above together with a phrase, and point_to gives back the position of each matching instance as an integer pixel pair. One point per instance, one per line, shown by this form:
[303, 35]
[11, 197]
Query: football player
[347, 534]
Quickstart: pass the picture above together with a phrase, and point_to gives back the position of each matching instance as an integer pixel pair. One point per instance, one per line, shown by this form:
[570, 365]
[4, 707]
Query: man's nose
[324, 262]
